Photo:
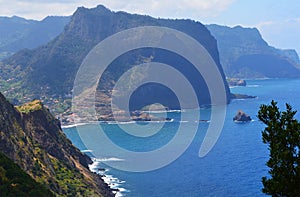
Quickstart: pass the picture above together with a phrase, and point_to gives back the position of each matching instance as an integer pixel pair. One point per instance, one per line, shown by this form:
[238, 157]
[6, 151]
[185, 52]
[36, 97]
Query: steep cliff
[245, 54]
[32, 138]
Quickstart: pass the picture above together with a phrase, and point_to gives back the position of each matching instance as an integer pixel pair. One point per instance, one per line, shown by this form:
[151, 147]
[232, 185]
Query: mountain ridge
[245, 54]
[17, 33]
[49, 71]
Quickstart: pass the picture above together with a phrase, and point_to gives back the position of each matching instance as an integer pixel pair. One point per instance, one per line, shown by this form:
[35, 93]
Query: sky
[277, 20]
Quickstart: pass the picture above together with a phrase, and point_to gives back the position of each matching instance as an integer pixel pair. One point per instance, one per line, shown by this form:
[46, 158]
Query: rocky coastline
[136, 116]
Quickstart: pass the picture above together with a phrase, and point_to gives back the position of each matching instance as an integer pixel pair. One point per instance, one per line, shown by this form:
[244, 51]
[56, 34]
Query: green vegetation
[70, 181]
[282, 135]
[15, 182]
[30, 107]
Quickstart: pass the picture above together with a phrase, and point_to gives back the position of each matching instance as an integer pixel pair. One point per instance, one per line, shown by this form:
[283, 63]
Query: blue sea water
[234, 167]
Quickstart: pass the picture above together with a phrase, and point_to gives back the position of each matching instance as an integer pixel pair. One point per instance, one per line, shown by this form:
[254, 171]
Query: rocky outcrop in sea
[241, 116]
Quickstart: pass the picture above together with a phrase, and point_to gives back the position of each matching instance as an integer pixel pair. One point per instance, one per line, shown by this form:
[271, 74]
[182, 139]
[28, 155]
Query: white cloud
[172, 9]
[39, 9]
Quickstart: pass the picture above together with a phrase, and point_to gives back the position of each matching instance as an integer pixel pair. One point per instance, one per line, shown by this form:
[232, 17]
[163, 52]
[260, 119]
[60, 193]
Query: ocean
[235, 165]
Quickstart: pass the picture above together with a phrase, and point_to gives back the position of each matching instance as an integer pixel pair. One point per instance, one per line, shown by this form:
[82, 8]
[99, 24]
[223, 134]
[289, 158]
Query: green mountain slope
[33, 139]
[15, 182]
[48, 72]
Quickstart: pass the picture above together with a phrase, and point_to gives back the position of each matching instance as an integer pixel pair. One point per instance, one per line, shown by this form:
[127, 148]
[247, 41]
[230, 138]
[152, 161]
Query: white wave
[155, 111]
[183, 121]
[262, 79]
[73, 125]
[253, 86]
[112, 122]
[123, 190]
[135, 122]
[164, 111]
[232, 87]
[113, 182]
[129, 122]
[118, 194]
[108, 159]
[116, 122]
[158, 121]
[86, 151]
[175, 110]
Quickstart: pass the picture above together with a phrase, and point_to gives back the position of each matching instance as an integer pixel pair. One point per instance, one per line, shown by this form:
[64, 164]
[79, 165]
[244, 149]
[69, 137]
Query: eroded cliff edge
[32, 138]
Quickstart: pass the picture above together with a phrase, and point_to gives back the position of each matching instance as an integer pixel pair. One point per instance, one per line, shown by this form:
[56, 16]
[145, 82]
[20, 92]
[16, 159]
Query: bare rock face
[241, 116]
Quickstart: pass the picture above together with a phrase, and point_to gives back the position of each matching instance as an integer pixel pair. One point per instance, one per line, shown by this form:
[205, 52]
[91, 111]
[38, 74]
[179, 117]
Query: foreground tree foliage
[282, 134]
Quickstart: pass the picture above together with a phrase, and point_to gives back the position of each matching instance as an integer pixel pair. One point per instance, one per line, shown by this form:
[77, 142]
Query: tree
[282, 135]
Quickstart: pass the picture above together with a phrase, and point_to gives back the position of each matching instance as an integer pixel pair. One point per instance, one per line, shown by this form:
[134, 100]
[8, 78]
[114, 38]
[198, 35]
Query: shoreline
[113, 183]
[68, 126]
[72, 124]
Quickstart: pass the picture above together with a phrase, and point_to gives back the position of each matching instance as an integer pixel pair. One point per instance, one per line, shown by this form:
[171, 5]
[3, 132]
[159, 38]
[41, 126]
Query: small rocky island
[232, 82]
[241, 116]
[241, 96]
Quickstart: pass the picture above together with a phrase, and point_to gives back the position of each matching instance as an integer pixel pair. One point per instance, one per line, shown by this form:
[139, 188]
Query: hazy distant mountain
[244, 53]
[49, 71]
[18, 33]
